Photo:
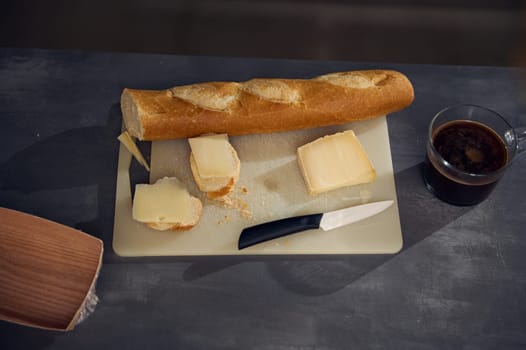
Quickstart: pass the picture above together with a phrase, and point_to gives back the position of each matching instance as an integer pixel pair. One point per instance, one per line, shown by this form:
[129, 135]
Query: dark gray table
[459, 282]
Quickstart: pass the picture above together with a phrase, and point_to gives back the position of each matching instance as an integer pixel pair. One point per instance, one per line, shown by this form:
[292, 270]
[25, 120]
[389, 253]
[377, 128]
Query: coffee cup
[468, 150]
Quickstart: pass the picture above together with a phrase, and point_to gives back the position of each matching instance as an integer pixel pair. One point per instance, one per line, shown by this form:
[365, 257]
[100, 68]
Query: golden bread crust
[264, 105]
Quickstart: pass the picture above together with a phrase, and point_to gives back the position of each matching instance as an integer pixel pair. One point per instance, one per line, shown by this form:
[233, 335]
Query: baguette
[264, 105]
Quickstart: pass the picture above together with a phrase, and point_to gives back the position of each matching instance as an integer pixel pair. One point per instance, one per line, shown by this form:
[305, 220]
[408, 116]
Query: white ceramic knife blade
[346, 216]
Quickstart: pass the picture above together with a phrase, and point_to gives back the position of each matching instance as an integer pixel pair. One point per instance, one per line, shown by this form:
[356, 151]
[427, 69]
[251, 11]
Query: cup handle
[520, 132]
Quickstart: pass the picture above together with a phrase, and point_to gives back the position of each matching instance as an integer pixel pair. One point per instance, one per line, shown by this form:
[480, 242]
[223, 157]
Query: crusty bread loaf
[264, 105]
[216, 187]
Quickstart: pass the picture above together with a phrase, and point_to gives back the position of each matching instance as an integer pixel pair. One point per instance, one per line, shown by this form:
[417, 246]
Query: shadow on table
[90, 162]
[421, 215]
[15, 336]
[38, 168]
[44, 178]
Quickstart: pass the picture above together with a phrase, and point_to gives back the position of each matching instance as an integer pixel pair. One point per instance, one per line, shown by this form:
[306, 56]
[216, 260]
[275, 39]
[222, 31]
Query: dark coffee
[469, 147]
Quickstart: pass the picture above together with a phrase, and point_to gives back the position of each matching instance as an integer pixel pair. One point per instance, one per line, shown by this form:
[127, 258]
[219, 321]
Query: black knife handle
[274, 229]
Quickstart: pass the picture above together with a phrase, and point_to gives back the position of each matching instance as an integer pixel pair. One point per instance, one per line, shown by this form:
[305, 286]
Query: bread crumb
[245, 211]
[235, 203]
[225, 220]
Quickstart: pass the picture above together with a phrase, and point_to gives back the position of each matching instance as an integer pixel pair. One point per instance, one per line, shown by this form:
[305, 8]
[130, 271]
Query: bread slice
[197, 208]
[166, 205]
[217, 187]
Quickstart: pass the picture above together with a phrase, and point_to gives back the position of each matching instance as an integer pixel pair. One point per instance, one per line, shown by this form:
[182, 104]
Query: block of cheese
[128, 142]
[335, 161]
[214, 163]
[166, 205]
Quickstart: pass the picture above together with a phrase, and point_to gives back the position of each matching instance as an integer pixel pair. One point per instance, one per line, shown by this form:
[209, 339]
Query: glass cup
[469, 148]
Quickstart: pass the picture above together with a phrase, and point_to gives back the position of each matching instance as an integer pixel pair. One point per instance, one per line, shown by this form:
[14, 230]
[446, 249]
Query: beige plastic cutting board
[272, 187]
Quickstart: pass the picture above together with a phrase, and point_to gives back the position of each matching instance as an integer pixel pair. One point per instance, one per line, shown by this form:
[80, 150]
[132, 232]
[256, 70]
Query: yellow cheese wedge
[213, 156]
[335, 161]
[131, 146]
[166, 201]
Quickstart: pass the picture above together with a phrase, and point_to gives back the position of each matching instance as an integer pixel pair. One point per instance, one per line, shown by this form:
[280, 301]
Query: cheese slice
[335, 161]
[213, 156]
[166, 201]
[131, 146]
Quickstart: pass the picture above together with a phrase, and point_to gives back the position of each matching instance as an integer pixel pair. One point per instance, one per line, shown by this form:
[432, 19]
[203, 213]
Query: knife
[326, 221]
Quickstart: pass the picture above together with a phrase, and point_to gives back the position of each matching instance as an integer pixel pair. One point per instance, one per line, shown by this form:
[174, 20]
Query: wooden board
[271, 187]
[46, 271]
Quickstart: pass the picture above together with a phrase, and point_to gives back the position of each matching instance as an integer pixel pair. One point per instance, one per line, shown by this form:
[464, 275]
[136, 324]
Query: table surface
[458, 283]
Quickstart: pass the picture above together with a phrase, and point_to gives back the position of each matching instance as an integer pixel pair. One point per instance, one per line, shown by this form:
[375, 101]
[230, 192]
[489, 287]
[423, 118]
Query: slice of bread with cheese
[215, 164]
[166, 205]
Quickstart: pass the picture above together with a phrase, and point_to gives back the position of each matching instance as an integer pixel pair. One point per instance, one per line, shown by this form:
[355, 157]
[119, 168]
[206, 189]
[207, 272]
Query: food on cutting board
[206, 113]
[264, 105]
[127, 140]
[215, 164]
[334, 161]
[166, 205]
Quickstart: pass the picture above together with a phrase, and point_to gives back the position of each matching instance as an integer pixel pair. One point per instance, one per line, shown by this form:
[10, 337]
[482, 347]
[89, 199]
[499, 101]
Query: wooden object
[47, 271]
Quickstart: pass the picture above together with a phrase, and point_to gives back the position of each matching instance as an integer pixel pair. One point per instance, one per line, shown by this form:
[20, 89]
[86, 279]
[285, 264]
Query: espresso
[469, 147]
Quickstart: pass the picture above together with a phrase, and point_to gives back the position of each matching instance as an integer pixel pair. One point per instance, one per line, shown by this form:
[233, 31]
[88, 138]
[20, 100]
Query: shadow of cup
[421, 215]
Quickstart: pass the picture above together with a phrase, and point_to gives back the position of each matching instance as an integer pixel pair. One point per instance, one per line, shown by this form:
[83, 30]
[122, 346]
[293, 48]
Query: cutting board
[270, 187]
